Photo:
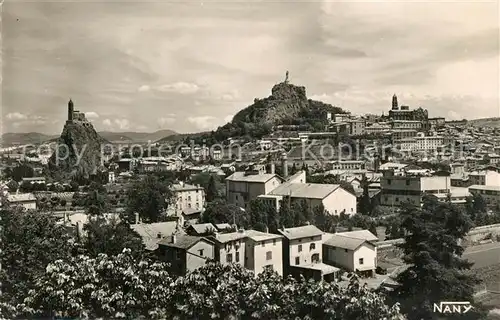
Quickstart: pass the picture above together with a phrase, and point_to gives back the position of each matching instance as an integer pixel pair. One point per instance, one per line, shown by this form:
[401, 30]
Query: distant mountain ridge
[486, 122]
[38, 138]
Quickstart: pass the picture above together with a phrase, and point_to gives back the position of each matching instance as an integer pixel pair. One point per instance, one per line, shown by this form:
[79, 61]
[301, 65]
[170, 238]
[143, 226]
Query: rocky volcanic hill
[84, 146]
[287, 104]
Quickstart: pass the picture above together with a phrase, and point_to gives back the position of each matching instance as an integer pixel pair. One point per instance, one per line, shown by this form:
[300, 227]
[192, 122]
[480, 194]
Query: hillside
[287, 104]
[9, 139]
[486, 122]
[36, 138]
[82, 155]
[136, 136]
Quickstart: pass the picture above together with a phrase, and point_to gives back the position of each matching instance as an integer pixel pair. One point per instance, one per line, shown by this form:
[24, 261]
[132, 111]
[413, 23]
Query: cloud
[16, 116]
[91, 115]
[228, 118]
[144, 88]
[351, 54]
[166, 120]
[179, 87]
[204, 123]
[116, 124]
[230, 96]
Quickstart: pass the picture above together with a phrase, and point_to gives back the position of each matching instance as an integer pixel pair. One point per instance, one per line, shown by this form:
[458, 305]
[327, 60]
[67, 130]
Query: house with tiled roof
[303, 252]
[354, 251]
[185, 253]
[252, 249]
[25, 200]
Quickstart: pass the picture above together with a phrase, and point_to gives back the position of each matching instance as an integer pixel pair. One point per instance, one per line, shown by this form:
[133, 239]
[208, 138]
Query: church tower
[395, 103]
[70, 110]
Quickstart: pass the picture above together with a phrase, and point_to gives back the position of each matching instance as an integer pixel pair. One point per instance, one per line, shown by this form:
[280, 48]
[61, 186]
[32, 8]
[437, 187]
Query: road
[483, 255]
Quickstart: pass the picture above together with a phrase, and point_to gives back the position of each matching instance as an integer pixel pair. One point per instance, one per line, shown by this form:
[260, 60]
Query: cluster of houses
[305, 250]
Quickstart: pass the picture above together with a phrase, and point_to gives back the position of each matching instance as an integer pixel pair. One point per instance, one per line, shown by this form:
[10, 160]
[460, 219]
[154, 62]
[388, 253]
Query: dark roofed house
[201, 229]
[185, 253]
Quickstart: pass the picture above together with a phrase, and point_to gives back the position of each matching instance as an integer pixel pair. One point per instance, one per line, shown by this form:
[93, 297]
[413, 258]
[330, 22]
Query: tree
[22, 171]
[74, 186]
[365, 206]
[119, 287]
[220, 212]
[211, 190]
[30, 240]
[13, 186]
[436, 271]
[96, 200]
[110, 237]
[101, 287]
[150, 198]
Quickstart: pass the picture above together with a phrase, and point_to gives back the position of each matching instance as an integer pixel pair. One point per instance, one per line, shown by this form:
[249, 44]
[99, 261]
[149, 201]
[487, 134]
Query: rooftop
[21, 197]
[305, 190]
[202, 228]
[181, 241]
[359, 234]
[149, 232]
[185, 187]
[241, 176]
[483, 187]
[325, 268]
[301, 232]
[344, 242]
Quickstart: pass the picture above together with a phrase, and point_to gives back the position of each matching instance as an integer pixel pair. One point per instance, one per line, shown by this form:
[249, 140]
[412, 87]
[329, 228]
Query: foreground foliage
[119, 287]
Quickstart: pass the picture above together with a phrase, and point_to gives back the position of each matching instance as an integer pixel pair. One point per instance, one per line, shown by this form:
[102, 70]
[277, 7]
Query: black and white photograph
[248, 160]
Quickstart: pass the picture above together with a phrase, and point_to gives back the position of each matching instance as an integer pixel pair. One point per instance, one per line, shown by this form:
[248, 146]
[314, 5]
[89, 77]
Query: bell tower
[395, 105]
[70, 110]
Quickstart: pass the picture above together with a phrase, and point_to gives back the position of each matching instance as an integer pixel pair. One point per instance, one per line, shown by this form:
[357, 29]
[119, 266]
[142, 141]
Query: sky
[189, 66]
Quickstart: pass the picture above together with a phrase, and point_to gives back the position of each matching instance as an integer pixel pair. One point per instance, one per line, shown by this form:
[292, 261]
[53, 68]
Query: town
[250, 160]
[265, 204]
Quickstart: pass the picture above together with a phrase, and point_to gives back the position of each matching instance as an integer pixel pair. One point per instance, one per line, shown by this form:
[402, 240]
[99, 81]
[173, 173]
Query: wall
[193, 258]
[260, 255]
[435, 183]
[339, 257]
[194, 199]
[340, 200]
[369, 254]
[306, 254]
[235, 248]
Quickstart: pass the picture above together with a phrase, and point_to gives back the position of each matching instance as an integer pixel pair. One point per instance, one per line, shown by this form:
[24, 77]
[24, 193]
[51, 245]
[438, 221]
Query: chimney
[174, 238]
[159, 235]
[307, 223]
[282, 227]
[137, 219]
[273, 168]
[284, 164]
[241, 230]
[267, 229]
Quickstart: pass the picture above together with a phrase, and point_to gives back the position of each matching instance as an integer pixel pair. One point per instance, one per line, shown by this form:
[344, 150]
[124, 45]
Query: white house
[333, 197]
[25, 200]
[354, 251]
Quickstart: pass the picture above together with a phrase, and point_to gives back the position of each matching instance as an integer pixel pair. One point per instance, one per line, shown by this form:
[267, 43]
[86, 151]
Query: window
[189, 205]
[189, 198]
[297, 261]
[312, 246]
[269, 255]
[345, 250]
[229, 258]
[178, 254]
[312, 238]
[388, 181]
[236, 197]
[315, 258]
[237, 256]
[352, 210]
[360, 260]
[200, 252]
[397, 199]
[407, 182]
[263, 243]
[300, 248]
[274, 242]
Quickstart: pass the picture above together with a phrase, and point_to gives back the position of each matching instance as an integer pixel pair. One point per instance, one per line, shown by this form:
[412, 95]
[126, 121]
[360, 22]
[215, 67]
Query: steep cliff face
[79, 150]
[287, 104]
